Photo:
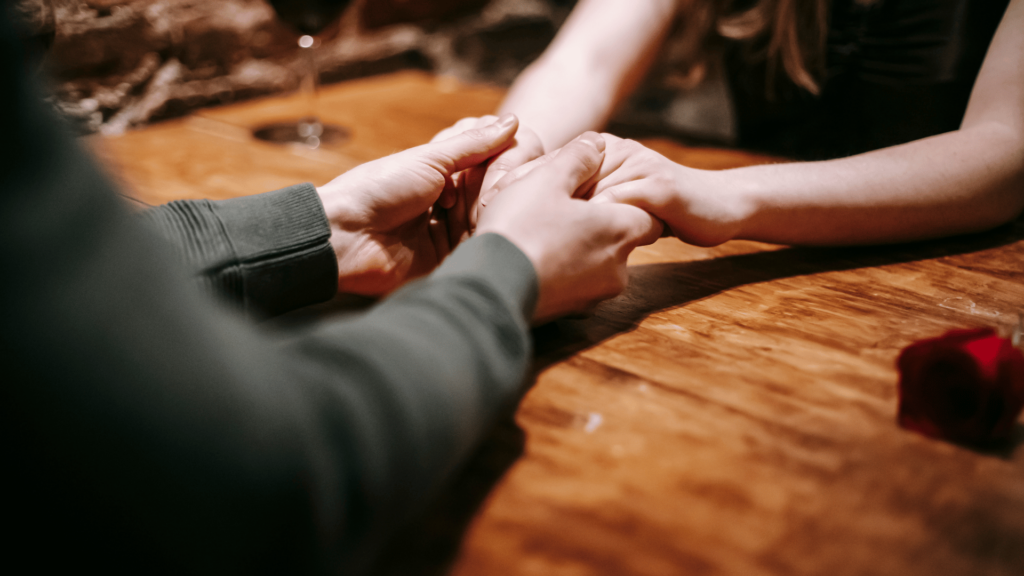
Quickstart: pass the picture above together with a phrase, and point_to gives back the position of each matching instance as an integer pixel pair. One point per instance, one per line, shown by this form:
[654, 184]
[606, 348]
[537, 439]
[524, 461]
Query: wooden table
[732, 413]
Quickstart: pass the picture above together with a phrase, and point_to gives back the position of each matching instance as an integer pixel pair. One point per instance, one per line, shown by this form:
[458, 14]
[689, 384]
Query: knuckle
[476, 135]
[438, 160]
[612, 195]
[571, 160]
[460, 126]
[612, 140]
[634, 146]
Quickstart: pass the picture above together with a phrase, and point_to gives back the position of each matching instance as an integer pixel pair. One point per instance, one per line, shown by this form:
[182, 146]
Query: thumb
[573, 164]
[513, 176]
[644, 228]
[633, 204]
[630, 226]
[471, 147]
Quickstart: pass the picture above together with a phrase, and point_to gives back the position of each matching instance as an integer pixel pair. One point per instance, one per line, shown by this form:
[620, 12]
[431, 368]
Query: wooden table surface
[733, 412]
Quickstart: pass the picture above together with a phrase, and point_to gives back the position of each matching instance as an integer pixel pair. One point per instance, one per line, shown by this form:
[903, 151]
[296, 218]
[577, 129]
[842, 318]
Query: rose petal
[967, 385]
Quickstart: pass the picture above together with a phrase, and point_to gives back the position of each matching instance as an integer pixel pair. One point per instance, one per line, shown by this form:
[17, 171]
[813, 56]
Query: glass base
[309, 133]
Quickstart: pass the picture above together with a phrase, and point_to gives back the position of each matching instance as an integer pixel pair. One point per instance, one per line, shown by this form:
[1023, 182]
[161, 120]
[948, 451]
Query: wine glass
[308, 18]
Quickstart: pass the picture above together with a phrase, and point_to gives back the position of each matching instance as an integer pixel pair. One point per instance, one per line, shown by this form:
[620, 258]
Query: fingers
[624, 161]
[638, 227]
[462, 125]
[636, 193]
[642, 197]
[449, 194]
[471, 147]
[526, 148]
[514, 176]
[583, 160]
[574, 164]
[459, 223]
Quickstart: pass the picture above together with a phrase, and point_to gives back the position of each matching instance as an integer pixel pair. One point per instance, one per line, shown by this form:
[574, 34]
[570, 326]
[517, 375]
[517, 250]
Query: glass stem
[311, 77]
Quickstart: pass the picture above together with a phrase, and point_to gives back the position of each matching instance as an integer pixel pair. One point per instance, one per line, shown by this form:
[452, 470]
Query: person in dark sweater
[151, 426]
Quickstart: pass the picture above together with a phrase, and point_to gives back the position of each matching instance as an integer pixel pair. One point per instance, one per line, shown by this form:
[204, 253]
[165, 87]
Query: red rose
[966, 386]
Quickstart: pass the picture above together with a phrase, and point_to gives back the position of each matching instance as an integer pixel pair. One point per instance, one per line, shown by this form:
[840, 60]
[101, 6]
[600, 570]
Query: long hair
[792, 34]
[787, 35]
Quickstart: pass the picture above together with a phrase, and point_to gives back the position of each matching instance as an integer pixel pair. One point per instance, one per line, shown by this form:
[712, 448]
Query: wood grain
[731, 413]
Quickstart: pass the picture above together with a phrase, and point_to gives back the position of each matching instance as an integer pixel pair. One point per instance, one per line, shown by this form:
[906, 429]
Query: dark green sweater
[150, 428]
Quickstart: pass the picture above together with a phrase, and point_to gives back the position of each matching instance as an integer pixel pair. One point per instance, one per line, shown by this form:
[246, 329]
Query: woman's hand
[577, 248]
[386, 229]
[700, 207]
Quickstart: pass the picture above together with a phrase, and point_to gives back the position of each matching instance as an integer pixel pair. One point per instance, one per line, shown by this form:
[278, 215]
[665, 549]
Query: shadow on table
[656, 287]
[431, 543]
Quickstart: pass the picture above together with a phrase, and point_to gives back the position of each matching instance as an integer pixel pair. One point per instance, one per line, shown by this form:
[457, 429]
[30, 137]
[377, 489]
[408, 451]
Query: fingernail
[594, 139]
[506, 121]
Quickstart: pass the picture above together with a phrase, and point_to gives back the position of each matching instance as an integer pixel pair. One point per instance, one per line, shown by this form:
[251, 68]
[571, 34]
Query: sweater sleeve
[268, 253]
[152, 429]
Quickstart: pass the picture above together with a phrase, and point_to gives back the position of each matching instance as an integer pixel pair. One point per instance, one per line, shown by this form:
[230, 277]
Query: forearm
[559, 101]
[149, 415]
[598, 57]
[964, 181]
[155, 428]
[402, 394]
[960, 182]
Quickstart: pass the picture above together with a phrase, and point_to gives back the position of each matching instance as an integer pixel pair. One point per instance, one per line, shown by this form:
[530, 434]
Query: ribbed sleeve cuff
[269, 253]
[274, 222]
[281, 243]
[497, 261]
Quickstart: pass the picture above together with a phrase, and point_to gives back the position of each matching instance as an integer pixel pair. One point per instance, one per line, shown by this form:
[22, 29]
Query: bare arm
[968, 180]
[599, 55]
[964, 181]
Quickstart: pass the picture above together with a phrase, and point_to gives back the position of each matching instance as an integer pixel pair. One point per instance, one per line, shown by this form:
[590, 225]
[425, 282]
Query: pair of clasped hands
[396, 218]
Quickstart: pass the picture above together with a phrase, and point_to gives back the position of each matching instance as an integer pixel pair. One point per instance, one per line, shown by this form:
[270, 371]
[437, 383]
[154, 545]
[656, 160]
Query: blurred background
[119, 64]
[122, 63]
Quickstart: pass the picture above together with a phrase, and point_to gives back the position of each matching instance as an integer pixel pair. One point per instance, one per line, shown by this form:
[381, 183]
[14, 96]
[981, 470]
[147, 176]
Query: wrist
[343, 217]
[342, 206]
[745, 197]
[736, 202]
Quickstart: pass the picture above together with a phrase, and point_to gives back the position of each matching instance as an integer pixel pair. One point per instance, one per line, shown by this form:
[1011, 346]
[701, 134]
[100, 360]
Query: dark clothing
[268, 253]
[896, 71]
[150, 429]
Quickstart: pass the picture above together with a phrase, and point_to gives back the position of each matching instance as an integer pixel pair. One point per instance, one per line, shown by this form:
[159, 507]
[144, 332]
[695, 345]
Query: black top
[149, 428]
[896, 71]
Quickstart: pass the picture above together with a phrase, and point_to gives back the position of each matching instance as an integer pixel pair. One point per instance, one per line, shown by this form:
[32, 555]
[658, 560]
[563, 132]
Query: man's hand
[577, 248]
[472, 188]
[385, 228]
